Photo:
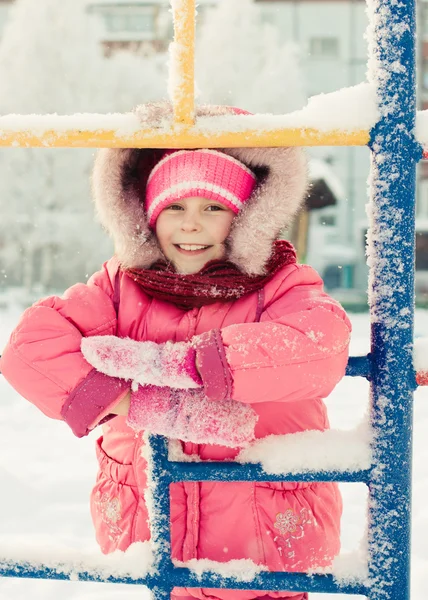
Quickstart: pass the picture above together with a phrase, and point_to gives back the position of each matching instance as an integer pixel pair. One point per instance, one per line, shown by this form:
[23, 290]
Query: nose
[190, 221]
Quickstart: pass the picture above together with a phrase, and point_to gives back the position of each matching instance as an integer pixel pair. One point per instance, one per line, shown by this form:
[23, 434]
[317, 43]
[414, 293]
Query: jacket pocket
[114, 503]
[300, 527]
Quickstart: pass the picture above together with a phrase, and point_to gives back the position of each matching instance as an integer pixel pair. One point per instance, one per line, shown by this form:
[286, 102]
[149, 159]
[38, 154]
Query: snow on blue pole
[391, 247]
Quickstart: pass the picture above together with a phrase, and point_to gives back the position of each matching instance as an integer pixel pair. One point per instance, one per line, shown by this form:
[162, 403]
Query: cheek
[162, 232]
[224, 229]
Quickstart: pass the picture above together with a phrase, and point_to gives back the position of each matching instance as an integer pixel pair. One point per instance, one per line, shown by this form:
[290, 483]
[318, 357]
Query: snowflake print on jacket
[111, 514]
[291, 527]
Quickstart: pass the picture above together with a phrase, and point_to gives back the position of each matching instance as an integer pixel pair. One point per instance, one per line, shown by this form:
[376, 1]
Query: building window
[325, 47]
[128, 22]
[332, 277]
[327, 220]
[421, 251]
[422, 198]
[270, 18]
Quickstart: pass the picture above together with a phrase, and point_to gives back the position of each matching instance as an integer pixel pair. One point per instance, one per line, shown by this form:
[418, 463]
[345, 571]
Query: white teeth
[189, 247]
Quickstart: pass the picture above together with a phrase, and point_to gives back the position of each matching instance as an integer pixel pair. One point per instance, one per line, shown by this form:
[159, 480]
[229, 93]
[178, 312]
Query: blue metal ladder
[389, 366]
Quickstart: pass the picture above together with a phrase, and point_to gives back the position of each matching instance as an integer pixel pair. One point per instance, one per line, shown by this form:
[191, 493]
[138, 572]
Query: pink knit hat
[206, 173]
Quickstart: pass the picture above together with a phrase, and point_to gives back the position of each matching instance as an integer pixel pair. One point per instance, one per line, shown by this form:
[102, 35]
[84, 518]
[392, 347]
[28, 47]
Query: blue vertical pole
[391, 296]
[159, 515]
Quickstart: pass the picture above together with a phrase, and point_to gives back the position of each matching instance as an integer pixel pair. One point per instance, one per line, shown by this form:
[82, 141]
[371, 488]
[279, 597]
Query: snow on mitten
[147, 363]
[187, 415]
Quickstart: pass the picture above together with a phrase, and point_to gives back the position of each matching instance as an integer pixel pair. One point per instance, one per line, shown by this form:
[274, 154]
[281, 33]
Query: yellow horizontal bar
[183, 138]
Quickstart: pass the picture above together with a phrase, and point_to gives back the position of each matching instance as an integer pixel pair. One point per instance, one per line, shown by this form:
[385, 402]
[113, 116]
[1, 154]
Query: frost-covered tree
[51, 62]
[242, 61]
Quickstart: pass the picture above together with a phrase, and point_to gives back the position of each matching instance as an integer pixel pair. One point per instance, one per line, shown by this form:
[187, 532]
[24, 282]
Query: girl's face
[191, 232]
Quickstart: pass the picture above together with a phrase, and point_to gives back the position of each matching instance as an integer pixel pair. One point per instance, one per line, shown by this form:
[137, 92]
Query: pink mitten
[169, 364]
[188, 415]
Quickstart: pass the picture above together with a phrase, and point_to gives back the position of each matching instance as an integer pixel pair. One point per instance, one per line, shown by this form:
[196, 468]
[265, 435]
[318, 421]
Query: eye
[214, 207]
[174, 207]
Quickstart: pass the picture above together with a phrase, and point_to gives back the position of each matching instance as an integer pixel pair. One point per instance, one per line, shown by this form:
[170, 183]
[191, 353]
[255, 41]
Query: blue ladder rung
[270, 581]
[182, 577]
[359, 366]
[230, 471]
[28, 571]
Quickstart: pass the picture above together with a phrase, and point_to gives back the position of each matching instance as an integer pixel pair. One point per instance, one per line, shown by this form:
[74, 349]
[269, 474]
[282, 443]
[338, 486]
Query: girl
[227, 336]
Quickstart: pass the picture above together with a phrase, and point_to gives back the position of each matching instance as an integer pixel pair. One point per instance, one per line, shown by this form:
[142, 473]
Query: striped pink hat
[205, 173]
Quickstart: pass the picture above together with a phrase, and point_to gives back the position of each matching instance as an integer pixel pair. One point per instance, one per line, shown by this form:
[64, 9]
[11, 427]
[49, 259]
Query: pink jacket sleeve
[299, 349]
[43, 361]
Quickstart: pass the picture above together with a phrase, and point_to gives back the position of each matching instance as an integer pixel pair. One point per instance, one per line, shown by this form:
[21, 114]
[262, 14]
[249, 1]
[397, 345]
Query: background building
[332, 54]
[142, 26]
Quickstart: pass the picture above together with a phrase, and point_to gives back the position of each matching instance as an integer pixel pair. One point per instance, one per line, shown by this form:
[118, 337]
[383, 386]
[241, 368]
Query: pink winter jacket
[282, 349]
[284, 365]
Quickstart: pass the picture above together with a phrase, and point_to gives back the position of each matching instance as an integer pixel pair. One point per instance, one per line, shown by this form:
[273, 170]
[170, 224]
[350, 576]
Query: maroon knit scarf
[217, 281]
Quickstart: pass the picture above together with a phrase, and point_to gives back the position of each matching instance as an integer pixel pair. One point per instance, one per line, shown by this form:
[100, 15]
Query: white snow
[348, 109]
[152, 508]
[241, 570]
[47, 474]
[122, 124]
[420, 354]
[134, 563]
[350, 567]
[422, 126]
[312, 450]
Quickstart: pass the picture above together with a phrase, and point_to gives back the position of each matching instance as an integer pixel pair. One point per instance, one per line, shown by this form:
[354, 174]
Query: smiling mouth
[191, 248]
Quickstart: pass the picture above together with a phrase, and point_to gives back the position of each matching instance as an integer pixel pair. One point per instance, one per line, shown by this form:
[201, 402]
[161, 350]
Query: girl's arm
[43, 361]
[122, 408]
[299, 348]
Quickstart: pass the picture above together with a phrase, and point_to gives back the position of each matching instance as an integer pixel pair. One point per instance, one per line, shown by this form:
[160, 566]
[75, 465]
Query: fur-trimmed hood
[118, 188]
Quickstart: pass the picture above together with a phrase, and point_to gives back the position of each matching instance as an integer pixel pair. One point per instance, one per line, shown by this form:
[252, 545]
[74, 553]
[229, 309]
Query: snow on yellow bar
[181, 137]
[182, 62]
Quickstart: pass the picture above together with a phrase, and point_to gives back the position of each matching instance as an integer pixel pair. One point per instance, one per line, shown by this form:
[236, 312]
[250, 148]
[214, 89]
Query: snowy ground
[46, 477]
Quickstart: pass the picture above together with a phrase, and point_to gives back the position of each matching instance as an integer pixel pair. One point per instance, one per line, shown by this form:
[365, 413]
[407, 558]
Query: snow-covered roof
[339, 252]
[320, 170]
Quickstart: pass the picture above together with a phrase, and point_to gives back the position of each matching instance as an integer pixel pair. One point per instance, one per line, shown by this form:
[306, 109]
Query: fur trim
[272, 206]
[118, 188]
